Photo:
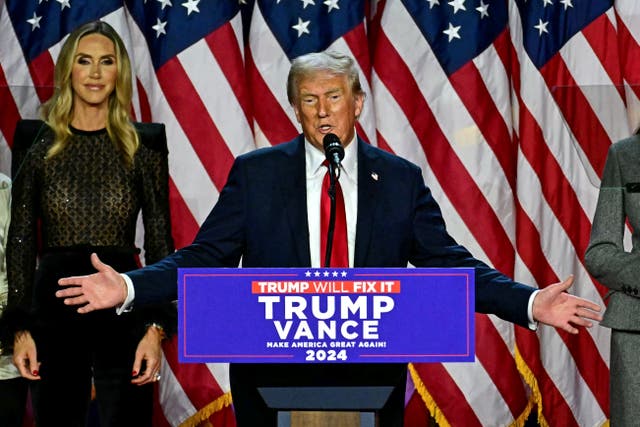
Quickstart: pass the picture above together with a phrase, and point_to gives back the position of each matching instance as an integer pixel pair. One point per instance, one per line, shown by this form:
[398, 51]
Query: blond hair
[334, 62]
[58, 110]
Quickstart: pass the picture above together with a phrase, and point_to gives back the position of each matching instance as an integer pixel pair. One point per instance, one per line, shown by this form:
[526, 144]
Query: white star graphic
[64, 3]
[159, 27]
[331, 4]
[335, 274]
[457, 5]
[242, 1]
[306, 3]
[546, 2]
[40, 1]
[317, 274]
[192, 6]
[452, 32]
[433, 3]
[541, 27]
[307, 273]
[566, 3]
[165, 3]
[483, 9]
[343, 274]
[301, 27]
[35, 21]
[325, 274]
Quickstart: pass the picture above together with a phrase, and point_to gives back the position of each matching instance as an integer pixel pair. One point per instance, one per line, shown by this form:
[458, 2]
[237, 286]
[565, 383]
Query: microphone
[333, 149]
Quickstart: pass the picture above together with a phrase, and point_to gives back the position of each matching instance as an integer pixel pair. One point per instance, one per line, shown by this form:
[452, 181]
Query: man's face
[326, 105]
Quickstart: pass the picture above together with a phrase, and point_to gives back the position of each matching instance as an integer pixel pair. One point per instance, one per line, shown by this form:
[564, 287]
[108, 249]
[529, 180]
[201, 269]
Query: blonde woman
[81, 177]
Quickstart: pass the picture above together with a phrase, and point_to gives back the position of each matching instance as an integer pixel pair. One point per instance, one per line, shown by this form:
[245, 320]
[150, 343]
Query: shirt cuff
[127, 305]
[533, 324]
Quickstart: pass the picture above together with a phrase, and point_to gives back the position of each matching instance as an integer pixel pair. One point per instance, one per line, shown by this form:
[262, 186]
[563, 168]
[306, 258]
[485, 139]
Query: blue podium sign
[311, 315]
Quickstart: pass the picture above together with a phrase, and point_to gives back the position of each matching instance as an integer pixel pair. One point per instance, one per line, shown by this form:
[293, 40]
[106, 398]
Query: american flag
[508, 107]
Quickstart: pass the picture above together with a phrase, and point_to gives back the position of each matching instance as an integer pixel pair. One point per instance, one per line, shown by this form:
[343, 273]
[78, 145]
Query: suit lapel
[369, 187]
[293, 193]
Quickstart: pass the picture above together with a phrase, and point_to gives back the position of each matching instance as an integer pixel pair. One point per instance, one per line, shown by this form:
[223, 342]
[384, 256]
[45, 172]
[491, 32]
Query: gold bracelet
[158, 328]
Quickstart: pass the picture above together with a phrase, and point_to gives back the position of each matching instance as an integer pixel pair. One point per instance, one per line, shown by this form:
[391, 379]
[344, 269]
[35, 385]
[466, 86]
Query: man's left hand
[555, 307]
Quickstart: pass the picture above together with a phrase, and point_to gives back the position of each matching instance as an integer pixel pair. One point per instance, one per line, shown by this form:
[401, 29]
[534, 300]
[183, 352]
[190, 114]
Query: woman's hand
[25, 356]
[150, 350]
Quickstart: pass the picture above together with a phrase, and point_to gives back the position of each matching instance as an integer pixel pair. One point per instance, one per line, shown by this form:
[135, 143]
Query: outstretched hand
[103, 289]
[555, 307]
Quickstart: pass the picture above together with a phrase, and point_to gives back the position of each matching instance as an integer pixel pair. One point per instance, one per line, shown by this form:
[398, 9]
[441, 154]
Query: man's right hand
[103, 289]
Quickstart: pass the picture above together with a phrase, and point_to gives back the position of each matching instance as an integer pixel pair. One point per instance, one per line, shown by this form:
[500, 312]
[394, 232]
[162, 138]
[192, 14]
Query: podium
[306, 340]
[372, 393]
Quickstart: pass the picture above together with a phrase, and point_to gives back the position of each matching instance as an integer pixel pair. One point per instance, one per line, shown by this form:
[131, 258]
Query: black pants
[251, 410]
[63, 395]
[76, 349]
[13, 401]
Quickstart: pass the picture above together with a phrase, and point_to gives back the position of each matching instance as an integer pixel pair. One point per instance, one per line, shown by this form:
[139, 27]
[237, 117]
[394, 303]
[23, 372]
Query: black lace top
[85, 196]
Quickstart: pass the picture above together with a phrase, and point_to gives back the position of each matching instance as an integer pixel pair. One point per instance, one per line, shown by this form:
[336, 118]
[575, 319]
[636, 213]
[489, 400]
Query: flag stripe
[180, 214]
[473, 92]
[599, 34]
[458, 185]
[267, 109]
[41, 70]
[629, 44]
[199, 397]
[203, 135]
[496, 358]
[581, 119]
[400, 82]
[225, 47]
[561, 197]
[455, 408]
[10, 113]
[557, 189]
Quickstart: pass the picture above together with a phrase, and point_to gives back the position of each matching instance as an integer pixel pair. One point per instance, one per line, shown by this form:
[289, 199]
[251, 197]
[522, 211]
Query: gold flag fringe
[530, 379]
[532, 382]
[439, 417]
[201, 418]
[435, 412]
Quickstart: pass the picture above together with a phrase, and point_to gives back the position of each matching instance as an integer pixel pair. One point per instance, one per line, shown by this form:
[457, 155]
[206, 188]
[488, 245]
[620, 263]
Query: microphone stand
[334, 174]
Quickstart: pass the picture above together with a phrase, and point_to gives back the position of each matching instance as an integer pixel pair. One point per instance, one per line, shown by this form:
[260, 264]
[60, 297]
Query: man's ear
[359, 101]
[296, 110]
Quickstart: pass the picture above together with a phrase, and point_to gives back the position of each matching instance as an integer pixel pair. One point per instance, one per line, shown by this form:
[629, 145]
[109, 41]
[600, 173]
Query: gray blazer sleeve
[606, 258]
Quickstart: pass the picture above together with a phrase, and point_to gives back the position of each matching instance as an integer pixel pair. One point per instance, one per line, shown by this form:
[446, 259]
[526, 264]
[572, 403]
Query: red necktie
[340, 249]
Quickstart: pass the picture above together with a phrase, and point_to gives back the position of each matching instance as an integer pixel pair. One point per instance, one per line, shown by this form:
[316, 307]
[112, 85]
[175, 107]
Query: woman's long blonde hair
[58, 110]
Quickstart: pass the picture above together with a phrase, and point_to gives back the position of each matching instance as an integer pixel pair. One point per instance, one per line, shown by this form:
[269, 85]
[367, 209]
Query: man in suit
[268, 216]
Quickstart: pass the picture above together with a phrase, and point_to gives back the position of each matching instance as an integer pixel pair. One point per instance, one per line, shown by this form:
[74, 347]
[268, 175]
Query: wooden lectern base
[325, 419]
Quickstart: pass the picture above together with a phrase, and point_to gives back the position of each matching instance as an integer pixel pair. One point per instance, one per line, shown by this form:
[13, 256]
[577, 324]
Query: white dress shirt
[348, 180]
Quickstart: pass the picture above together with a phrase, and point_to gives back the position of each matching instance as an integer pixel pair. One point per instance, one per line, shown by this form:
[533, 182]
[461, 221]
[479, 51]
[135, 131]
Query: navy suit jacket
[261, 218]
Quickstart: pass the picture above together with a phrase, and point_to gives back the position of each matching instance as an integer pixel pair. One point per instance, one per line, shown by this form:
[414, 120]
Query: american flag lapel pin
[374, 176]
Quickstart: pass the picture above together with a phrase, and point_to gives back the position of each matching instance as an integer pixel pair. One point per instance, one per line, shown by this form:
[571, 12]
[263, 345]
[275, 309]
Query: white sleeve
[533, 324]
[127, 305]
